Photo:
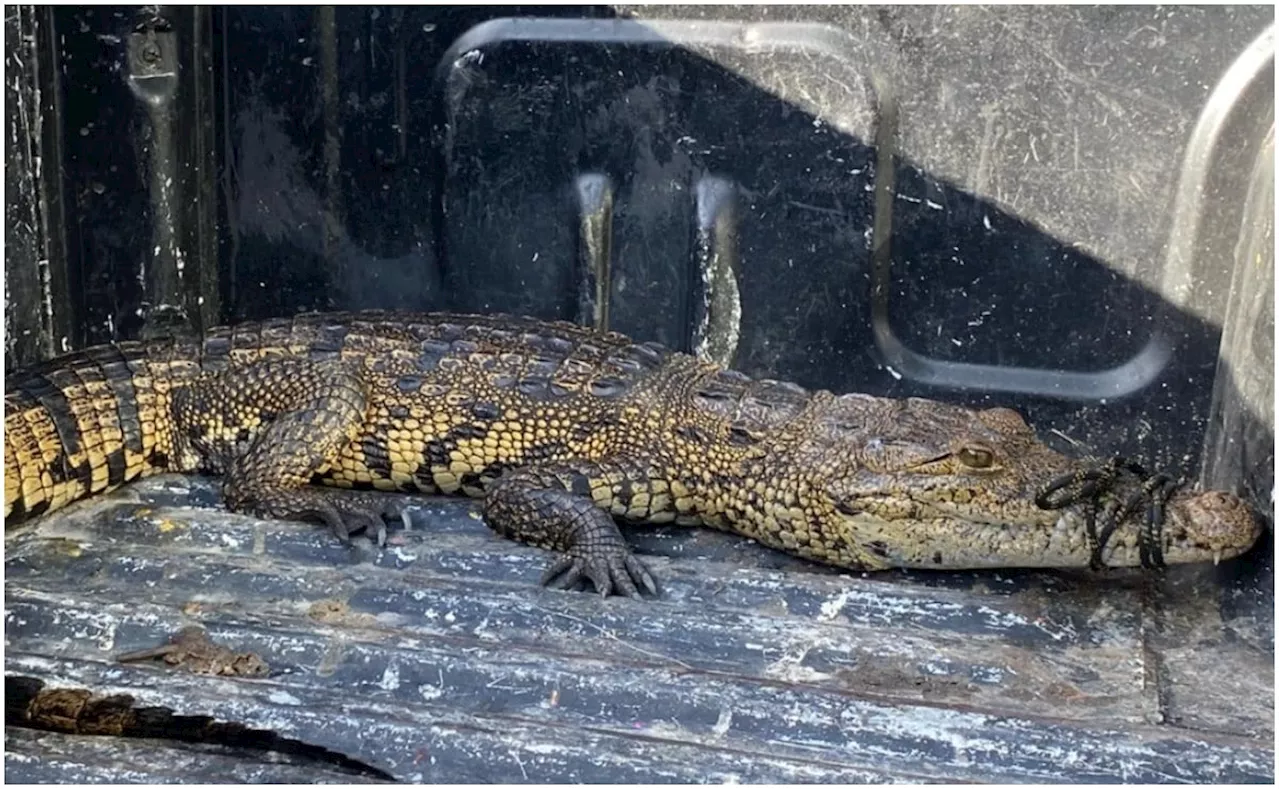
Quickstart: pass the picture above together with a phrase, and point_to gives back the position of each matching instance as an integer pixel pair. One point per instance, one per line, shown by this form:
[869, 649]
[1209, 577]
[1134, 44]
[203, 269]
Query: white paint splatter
[285, 698]
[832, 607]
[430, 692]
[390, 677]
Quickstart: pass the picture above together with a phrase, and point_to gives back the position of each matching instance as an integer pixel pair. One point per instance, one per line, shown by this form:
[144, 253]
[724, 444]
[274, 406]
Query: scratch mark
[516, 758]
[1065, 437]
[1137, 186]
[817, 208]
[610, 635]
[983, 174]
[1079, 79]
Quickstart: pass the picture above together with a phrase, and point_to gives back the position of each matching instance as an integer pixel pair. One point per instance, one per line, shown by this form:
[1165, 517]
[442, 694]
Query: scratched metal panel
[439, 660]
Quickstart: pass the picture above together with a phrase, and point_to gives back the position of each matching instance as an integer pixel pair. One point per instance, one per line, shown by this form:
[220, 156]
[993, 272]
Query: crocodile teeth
[1217, 557]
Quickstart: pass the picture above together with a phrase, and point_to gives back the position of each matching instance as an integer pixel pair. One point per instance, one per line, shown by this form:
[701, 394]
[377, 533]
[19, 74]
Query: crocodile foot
[344, 512]
[610, 570]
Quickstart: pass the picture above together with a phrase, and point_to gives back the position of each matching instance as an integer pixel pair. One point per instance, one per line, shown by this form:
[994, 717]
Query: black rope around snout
[1089, 485]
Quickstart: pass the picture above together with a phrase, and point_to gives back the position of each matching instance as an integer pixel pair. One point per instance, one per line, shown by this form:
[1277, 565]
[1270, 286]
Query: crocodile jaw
[1198, 527]
[1208, 526]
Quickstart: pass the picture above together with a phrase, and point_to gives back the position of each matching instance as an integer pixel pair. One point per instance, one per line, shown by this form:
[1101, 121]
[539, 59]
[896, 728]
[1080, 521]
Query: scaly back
[92, 420]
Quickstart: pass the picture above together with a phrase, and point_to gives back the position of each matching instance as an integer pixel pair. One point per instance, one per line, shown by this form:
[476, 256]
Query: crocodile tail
[78, 425]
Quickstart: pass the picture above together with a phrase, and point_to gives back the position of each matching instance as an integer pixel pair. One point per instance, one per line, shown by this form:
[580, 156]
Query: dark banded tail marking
[45, 391]
[116, 364]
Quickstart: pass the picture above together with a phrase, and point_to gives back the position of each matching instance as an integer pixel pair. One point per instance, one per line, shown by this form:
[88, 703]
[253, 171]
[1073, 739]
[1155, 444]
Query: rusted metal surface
[441, 660]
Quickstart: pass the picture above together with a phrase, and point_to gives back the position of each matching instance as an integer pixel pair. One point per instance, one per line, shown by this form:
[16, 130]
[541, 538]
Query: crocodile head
[918, 483]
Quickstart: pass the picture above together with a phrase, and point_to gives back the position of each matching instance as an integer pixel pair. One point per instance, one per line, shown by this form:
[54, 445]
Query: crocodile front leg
[558, 507]
[269, 427]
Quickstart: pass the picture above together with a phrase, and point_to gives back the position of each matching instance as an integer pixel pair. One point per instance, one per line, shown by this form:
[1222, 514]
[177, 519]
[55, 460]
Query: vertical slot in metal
[594, 197]
[717, 302]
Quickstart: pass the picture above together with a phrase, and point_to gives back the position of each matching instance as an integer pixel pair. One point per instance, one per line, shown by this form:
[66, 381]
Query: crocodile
[564, 431]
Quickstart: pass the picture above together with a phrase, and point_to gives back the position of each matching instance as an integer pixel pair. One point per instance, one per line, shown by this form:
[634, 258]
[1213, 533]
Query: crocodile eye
[976, 457]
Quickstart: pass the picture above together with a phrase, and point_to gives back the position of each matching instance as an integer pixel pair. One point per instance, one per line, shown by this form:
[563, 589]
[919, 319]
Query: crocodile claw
[617, 573]
[343, 512]
[343, 523]
[372, 516]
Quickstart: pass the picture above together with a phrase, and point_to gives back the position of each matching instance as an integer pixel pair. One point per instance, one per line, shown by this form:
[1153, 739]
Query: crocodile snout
[1217, 523]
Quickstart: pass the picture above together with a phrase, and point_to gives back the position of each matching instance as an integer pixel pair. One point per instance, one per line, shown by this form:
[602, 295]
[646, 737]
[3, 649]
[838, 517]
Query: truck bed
[439, 659]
